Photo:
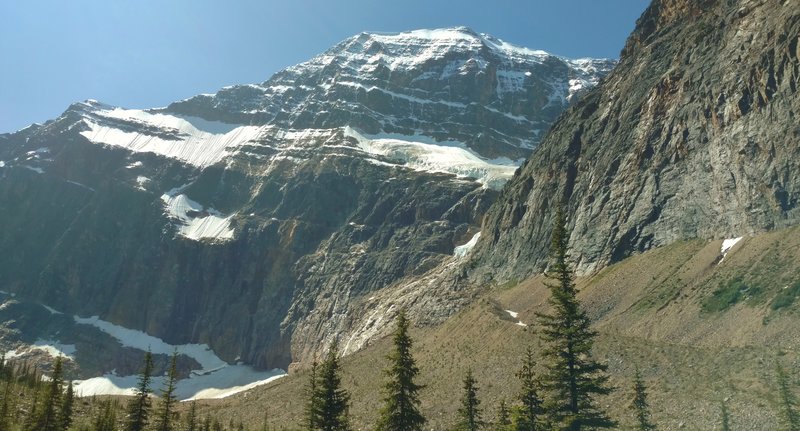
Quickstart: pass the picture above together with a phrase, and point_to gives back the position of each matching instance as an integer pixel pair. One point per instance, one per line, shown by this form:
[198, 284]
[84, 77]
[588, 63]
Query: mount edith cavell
[237, 236]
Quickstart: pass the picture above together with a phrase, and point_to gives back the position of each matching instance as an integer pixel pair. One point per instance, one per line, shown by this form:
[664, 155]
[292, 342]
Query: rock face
[502, 96]
[694, 134]
[253, 219]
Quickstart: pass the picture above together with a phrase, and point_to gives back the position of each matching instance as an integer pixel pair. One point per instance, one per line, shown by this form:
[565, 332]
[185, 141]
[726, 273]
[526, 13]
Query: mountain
[693, 135]
[253, 219]
[679, 174]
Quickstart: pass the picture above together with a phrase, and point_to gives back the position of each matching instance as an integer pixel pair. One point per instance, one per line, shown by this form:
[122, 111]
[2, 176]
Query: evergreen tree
[5, 407]
[529, 413]
[332, 401]
[791, 419]
[65, 413]
[312, 407]
[139, 406]
[106, 418]
[31, 420]
[640, 406]
[191, 419]
[571, 378]
[470, 413]
[401, 404]
[726, 425]
[168, 396]
[503, 416]
[48, 418]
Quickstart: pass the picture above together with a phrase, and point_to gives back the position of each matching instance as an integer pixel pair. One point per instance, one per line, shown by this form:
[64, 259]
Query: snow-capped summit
[446, 84]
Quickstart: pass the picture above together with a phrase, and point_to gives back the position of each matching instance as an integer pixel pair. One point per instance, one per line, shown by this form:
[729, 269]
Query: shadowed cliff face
[101, 242]
[694, 134]
[253, 219]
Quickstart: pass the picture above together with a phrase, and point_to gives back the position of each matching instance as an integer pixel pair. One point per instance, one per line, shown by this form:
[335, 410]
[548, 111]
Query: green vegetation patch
[786, 296]
[729, 293]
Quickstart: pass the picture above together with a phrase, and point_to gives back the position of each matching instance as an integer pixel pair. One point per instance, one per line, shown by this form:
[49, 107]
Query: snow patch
[515, 315]
[50, 347]
[219, 384]
[142, 181]
[142, 341]
[726, 247]
[34, 169]
[193, 140]
[80, 185]
[2, 164]
[51, 309]
[215, 379]
[448, 157]
[463, 250]
[196, 222]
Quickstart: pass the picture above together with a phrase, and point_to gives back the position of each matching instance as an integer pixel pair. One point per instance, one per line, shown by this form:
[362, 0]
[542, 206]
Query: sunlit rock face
[694, 134]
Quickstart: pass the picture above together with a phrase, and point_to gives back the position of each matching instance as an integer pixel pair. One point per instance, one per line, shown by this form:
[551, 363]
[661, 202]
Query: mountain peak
[448, 84]
[460, 36]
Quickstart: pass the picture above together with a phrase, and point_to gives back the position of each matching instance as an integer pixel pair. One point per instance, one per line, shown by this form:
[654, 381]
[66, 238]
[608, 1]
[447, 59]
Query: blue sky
[148, 53]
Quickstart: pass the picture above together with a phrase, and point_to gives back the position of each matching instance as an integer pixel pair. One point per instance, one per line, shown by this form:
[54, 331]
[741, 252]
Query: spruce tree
[401, 404]
[191, 419]
[791, 419]
[469, 413]
[5, 408]
[529, 413]
[65, 413]
[106, 418]
[571, 378]
[48, 418]
[139, 406]
[640, 406]
[503, 416]
[726, 425]
[168, 396]
[312, 406]
[332, 400]
[31, 420]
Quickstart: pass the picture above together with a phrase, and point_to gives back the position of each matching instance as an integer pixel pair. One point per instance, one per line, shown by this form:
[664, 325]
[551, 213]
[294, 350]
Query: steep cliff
[693, 135]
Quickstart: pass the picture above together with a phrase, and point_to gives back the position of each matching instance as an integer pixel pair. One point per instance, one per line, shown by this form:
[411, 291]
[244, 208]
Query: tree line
[561, 396]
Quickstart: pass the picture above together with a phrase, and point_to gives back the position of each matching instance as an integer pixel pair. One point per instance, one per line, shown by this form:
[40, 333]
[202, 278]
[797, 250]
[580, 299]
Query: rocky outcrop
[693, 135]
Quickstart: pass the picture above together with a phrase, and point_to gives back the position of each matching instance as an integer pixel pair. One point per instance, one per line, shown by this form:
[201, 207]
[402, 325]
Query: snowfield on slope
[215, 379]
[194, 221]
[447, 157]
[194, 140]
[463, 250]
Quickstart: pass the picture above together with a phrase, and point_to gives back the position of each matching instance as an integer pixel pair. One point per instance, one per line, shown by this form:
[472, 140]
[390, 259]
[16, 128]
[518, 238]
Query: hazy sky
[148, 53]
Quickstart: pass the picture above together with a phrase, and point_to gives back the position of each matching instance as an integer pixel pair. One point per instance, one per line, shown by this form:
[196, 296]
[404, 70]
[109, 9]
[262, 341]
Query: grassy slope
[649, 312]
